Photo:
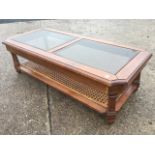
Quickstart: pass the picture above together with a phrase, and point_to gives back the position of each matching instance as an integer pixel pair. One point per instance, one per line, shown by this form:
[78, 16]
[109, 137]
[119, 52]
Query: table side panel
[84, 86]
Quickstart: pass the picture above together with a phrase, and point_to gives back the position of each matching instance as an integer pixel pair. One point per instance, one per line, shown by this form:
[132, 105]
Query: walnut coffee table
[101, 75]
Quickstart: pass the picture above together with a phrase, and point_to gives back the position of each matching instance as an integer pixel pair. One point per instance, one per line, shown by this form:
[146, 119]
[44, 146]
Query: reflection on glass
[44, 39]
[101, 56]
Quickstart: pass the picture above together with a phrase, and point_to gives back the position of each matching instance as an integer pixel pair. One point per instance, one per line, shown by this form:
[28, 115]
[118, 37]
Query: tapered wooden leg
[111, 113]
[16, 62]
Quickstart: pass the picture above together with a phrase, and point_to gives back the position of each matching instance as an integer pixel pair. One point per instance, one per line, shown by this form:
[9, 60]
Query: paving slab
[23, 100]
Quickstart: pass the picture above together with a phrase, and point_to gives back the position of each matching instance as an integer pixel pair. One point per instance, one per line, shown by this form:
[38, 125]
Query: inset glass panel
[44, 39]
[101, 56]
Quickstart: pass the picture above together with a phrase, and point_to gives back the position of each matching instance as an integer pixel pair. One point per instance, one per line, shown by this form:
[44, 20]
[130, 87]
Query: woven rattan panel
[94, 93]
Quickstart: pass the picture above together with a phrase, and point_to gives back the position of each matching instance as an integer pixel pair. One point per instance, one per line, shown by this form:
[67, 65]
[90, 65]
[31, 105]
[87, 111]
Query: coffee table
[99, 74]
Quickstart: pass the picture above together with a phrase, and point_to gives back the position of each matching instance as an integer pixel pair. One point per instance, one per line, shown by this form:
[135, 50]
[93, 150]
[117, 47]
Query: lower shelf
[93, 97]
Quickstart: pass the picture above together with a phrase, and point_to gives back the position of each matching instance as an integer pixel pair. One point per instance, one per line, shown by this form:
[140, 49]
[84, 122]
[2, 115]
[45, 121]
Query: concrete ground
[27, 106]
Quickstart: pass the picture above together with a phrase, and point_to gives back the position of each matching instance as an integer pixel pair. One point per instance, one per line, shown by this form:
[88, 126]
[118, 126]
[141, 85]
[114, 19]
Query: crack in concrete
[49, 109]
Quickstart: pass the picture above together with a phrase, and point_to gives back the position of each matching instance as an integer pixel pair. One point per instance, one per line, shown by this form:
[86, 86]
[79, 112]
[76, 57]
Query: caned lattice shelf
[95, 94]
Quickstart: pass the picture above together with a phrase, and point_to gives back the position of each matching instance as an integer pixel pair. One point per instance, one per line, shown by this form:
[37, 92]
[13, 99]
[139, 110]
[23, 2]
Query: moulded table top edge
[115, 78]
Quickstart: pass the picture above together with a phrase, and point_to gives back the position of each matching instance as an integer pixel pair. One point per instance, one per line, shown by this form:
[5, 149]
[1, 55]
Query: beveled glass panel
[44, 39]
[101, 56]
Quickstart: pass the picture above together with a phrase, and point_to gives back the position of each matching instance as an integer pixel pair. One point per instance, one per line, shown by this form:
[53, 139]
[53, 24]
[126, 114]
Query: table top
[84, 54]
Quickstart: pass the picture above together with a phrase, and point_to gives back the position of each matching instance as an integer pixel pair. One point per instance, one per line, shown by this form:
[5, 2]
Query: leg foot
[110, 117]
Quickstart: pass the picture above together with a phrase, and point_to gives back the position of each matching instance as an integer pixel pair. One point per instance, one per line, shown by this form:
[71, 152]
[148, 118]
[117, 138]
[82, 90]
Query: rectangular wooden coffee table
[99, 74]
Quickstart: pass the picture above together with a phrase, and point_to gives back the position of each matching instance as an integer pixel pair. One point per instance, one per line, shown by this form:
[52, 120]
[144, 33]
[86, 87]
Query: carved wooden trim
[112, 97]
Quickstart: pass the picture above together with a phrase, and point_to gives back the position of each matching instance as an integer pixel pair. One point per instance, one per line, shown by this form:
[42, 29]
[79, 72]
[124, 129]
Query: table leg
[111, 113]
[16, 62]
